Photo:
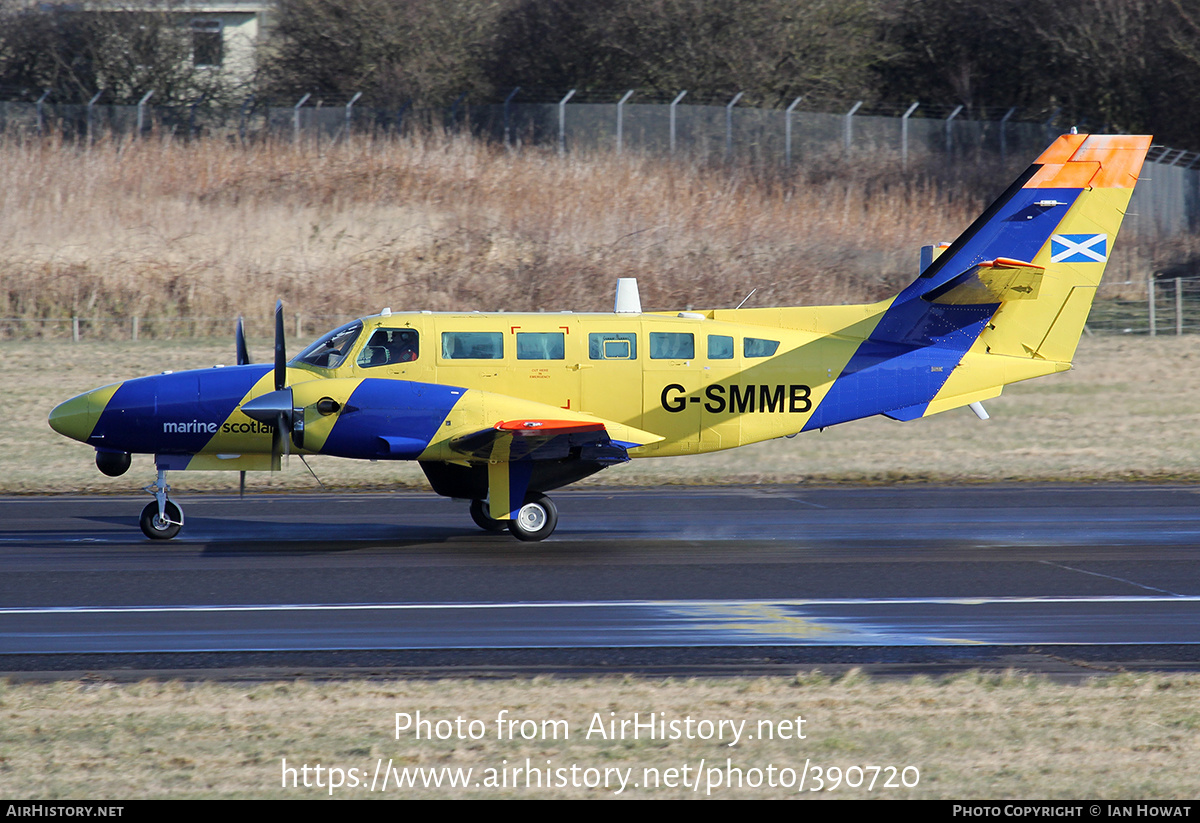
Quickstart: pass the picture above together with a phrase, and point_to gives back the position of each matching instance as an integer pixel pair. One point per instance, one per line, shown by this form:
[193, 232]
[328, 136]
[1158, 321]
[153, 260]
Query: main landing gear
[534, 521]
[162, 519]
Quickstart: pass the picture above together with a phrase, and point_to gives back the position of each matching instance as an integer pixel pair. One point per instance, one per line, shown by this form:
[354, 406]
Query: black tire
[535, 520]
[154, 528]
[479, 514]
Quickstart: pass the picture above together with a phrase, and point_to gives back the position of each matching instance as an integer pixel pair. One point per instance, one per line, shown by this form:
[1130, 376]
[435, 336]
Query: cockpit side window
[388, 347]
[329, 351]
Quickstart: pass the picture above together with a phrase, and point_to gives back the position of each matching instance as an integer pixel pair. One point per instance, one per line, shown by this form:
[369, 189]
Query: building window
[207, 43]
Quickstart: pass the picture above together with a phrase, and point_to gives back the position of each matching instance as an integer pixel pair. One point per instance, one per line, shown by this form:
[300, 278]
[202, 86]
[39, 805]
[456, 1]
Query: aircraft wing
[541, 439]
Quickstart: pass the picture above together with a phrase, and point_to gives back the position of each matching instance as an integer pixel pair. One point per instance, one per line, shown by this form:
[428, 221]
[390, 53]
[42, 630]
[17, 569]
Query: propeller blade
[243, 355]
[280, 349]
[280, 439]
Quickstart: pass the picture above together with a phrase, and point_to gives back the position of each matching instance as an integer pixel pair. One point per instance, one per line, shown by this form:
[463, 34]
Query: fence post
[1150, 298]
[849, 136]
[41, 118]
[400, 117]
[349, 113]
[562, 122]
[950, 131]
[675, 103]
[91, 105]
[787, 131]
[192, 117]
[621, 119]
[1004, 134]
[454, 110]
[904, 134]
[1178, 306]
[142, 112]
[75, 329]
[299, 325]
[296, 117]
[243, 114]
[135, 328]
[729, 125]
[1049, 124]
[507, 117]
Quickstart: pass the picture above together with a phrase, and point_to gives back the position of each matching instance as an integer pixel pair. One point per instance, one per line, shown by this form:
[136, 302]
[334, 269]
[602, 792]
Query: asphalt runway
[673, 578]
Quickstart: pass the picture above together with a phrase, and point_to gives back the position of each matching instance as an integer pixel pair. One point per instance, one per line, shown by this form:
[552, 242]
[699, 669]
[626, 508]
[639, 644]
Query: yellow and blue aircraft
[500, 408]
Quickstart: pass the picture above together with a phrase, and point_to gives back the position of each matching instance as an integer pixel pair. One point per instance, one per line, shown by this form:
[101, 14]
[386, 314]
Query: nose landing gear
[162, 519]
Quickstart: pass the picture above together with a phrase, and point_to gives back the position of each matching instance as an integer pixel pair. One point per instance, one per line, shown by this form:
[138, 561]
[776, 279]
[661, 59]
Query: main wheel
[535, 520]
[155, 527]
[479, 513]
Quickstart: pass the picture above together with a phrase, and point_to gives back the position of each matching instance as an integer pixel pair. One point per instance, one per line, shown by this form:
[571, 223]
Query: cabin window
[672, 345]
[472, 345]
[612, 346]
[756, 347]
[720, 347]
[388, 347]
[540, 345]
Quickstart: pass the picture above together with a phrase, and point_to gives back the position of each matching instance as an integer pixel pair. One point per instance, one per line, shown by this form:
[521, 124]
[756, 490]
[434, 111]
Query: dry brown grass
[976, 736]
[164, 229]
[161, 228]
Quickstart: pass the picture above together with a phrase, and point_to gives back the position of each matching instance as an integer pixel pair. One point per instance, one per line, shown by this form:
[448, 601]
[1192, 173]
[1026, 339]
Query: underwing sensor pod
[499, 409]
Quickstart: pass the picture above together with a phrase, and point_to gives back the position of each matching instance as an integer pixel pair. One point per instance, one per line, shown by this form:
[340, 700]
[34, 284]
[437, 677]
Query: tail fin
[1019, 282]
[1031, 263]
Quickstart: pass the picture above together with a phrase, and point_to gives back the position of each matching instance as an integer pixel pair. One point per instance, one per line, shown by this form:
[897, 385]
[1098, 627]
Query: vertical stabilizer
[1018, 282]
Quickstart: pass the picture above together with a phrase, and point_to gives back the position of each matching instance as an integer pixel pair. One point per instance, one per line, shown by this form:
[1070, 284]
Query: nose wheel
[162, 519]
[161, 526]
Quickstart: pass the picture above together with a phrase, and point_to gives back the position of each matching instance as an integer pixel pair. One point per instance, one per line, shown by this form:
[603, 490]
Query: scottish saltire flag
[1078, 248]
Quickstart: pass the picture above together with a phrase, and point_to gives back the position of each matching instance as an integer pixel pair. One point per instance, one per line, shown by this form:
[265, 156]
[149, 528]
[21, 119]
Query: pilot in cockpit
[402, 348]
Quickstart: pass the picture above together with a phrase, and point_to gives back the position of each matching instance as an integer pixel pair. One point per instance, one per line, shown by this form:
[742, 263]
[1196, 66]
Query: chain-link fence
[1156, 306]
[1166, 202]
[82, 328]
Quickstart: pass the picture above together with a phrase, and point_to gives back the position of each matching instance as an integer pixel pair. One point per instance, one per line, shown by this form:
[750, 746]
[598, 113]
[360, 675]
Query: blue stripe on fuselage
[406, 411]
[173, 413]
[916, 344]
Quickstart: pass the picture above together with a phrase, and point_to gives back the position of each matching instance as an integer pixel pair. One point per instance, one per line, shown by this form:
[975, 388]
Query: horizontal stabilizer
[996, 281]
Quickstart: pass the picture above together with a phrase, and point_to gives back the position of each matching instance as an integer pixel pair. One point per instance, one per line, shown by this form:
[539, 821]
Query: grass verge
[978, 736]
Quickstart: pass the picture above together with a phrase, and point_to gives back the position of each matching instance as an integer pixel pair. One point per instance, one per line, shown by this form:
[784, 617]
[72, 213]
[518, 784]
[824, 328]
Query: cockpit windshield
[329, 351]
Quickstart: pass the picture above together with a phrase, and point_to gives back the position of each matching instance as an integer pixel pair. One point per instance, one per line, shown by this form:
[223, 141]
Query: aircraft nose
[76, 418]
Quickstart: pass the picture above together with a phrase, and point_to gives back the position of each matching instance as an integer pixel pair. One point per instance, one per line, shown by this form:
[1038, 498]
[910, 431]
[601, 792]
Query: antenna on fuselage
[628, 300]
[744, 299]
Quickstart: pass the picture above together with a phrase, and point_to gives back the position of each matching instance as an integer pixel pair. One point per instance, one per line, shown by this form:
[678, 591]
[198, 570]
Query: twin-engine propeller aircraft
[500, 408]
